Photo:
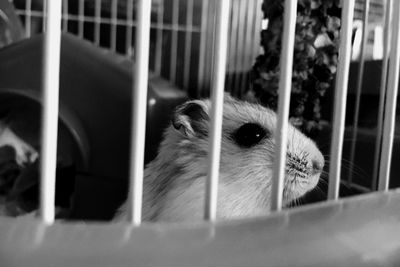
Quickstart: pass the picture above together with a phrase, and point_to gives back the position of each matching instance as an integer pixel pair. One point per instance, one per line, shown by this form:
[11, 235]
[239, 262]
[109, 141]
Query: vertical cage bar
[97, 15]
[188, 44]
[240, 42]
[159, 44]
[339, 111]
[65, 16]
[210, 49]
[28, 18]
[233, 42]
[203, 43]
[385, 62]
[218, 85]
[247, 55]
[44, 15]
[81, 17]
[257, 29]
[129, 26]
[50, 111]
[360, 76]
[174, 40]
[390, 103]
[285, 86]
[228, 64]
[140, 78]
[113, 37]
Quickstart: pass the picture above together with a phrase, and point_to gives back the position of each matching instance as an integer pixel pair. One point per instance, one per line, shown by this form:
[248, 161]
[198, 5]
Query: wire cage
[181, 35]
[180, 49]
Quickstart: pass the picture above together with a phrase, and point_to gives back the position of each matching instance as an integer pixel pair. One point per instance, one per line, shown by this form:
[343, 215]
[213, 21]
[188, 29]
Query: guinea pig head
[247, 155]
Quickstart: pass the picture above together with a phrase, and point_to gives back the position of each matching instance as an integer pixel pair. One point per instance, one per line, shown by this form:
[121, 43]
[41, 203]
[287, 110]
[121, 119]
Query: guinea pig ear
[191, 119]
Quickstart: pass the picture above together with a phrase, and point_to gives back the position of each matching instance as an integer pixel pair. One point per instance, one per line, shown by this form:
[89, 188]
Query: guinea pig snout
[317, 166]
[304, 165]
[297, 165]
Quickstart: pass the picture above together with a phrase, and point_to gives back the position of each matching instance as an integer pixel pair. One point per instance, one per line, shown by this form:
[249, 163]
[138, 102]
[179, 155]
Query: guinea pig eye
[249, 134]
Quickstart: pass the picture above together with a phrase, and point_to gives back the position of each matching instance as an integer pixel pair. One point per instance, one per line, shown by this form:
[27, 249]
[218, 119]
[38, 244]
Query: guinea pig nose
[317, 166]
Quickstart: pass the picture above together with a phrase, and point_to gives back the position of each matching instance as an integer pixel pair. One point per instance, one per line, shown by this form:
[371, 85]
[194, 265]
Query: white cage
[357, 231]
[175, 25]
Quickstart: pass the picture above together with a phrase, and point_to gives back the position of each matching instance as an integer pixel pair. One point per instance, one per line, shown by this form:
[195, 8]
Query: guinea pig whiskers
[323, 180]
[320, 190]
[359, 172]
[347, 163]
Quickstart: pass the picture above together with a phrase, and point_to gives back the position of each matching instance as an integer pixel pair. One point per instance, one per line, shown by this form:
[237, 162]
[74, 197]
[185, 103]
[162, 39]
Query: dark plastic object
[22, 112]
[95, 86]
[23, 109]
[361, 231]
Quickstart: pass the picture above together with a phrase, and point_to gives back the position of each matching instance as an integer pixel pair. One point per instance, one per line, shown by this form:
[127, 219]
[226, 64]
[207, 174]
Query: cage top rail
[119, 22]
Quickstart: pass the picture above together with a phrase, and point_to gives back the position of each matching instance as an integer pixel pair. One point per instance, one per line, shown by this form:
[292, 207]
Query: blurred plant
[314, 62]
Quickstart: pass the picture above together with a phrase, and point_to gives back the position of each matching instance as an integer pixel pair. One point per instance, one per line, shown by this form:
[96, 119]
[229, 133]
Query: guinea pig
[174, 182]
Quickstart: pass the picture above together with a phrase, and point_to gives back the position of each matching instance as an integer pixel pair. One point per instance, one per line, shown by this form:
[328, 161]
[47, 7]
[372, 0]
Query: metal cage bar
[247, 56]
[65, 16]
[256, 34]
[159, 38]
[188, 44]
[114, 18]
[174, 41]
[360, 76]
[233, 42]
[81, 17]
[44, 15]
[390, 103]
[339, 112]
[28, 16]
[228, 64]
[385, 62]
[140, 77]
[257, 25]
[97, 21]
[210, 36]
[240, 44]
[50, 111]
[203, 43]
[218, 84]
[129, 18]
[285, 86]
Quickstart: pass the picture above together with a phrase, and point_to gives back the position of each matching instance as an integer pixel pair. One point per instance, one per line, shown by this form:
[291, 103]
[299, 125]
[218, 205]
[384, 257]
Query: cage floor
[358, 231]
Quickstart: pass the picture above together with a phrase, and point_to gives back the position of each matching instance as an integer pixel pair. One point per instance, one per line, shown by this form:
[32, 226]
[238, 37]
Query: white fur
[245, 173]
[24, 153]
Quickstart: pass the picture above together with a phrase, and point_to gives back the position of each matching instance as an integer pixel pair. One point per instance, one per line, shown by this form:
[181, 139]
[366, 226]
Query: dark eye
[249, 134]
